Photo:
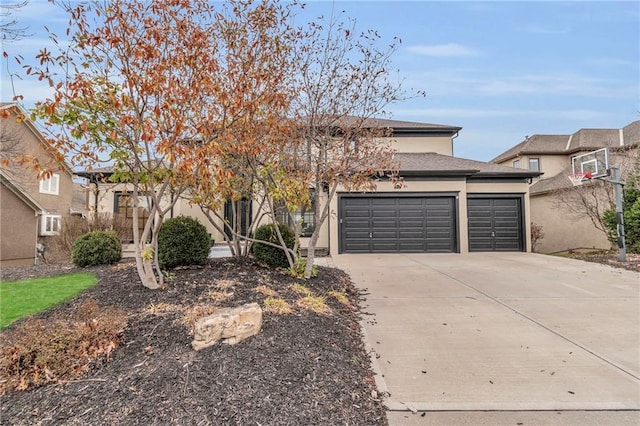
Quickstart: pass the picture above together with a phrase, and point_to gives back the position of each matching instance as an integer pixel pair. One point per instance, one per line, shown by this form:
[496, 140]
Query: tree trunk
[311, 253]
[145, 270]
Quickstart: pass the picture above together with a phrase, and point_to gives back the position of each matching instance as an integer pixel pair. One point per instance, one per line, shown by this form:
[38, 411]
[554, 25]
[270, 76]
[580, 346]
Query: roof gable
[438, 164]
[20, 192]
[6, 106]
[582, 140]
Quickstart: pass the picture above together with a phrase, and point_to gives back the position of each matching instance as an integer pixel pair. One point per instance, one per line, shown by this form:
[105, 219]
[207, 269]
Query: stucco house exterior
[447, 204]
[565, 228]
[31, 209]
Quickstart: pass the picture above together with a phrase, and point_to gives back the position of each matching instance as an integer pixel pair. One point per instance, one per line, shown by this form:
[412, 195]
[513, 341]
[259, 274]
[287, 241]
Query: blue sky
[500, 70]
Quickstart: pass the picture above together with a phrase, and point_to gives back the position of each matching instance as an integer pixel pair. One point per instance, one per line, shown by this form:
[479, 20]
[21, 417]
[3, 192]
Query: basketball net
[577, 178]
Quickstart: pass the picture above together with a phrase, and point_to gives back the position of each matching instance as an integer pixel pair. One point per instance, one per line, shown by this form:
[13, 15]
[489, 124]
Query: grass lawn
[21, 298]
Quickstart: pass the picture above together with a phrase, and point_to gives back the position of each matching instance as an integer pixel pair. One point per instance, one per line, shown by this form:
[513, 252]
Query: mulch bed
[609, 257]
[302, 369]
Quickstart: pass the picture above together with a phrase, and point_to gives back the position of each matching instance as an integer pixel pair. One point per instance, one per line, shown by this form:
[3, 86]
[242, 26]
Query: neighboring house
[448, 204]
[555, 202]
[31, 210]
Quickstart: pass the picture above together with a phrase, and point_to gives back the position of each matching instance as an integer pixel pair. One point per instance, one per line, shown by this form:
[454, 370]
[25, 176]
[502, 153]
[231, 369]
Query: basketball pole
[618, 185]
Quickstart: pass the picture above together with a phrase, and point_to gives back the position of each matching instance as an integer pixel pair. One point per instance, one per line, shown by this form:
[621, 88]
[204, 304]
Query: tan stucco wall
[551, 165]
[18, 227]
[562, 230]
[438, 144]
[459, 187]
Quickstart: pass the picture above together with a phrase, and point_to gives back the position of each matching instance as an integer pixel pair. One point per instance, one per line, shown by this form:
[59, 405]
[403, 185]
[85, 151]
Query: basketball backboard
[594, 163]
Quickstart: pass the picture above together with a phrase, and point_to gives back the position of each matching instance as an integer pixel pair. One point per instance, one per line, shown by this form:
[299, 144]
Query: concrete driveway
[512, 331]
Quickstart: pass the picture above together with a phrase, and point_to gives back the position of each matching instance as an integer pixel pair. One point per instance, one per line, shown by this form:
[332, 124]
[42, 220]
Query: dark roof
[555, 183]
[536, 144]
[396, 126]
[432, 164]
[582, 140]
[406, 125]
[631, 133]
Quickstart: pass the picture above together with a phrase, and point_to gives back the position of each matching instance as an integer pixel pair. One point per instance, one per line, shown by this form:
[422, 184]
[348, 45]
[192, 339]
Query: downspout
[35, 247]
[452, 138]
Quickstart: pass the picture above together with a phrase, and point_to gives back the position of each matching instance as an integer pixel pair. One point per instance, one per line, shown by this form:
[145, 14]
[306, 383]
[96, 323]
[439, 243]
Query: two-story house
[447, 204]
[31, 209]
[555, 202]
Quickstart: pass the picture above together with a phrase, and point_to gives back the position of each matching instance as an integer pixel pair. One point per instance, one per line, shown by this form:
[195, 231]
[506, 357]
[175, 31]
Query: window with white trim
[51, 224]
[51, 185]
[534, 164]
[516, 164]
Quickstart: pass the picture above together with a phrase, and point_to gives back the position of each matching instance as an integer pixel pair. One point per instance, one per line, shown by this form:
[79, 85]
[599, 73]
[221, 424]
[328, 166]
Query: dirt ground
[303, 368]
[610, 258]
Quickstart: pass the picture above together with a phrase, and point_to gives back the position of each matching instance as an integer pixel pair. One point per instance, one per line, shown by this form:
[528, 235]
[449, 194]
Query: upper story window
[534, 164]
[516, 164]
[51, 185]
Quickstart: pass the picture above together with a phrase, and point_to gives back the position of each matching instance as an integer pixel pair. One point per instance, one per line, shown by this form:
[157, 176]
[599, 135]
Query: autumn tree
[593, 198]
[134, 87]
[343, 83]
[250, 123]
[10, 30]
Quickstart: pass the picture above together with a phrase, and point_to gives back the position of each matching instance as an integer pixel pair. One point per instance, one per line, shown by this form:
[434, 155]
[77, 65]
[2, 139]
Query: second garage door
[392, 224]
[495, 224]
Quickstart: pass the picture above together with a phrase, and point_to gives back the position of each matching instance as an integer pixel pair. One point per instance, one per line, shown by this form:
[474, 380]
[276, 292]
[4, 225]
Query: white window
[51, 224]
[534, 164]
[516, 164]
[50, 185]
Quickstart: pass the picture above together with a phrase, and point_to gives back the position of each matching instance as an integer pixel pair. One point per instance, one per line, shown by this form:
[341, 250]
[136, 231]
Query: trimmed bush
[182, 241]
[96, 248]
[272, 256]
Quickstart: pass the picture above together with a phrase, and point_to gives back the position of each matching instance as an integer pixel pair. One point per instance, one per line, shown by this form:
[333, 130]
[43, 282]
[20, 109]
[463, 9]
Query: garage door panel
[399, 224]
[354, 202]
[495, 224]
[383, 201]
[410, 201]
[356, 213]
[417, 234]
[410, 224]
[355, 224]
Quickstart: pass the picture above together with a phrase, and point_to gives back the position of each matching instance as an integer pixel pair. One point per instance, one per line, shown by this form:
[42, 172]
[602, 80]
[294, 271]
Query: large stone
[231, 325]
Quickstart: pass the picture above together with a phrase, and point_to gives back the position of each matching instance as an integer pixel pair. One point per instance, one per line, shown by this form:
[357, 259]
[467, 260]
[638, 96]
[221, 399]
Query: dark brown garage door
[495, 224]
[394, 224]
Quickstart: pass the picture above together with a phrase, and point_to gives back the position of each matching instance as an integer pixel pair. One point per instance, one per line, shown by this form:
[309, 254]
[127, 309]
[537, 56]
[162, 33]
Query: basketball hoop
[577, 178]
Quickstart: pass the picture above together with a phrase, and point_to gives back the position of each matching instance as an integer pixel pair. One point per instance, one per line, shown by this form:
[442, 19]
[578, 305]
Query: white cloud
[443, 50]
[561, 84]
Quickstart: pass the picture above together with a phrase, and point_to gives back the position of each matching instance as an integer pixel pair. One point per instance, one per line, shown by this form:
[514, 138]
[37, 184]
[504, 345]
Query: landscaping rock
[231, 325]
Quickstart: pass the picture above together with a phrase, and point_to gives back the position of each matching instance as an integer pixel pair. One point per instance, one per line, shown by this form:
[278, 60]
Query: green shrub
[96, 248]
[272, 256]
[182, 241]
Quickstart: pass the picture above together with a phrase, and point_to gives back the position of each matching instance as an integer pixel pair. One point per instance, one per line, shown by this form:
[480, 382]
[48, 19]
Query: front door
[237, 216]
